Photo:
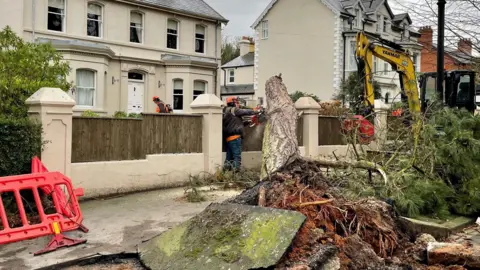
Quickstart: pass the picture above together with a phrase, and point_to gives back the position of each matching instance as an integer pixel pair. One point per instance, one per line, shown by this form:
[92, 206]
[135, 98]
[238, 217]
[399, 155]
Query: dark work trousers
[234, 155]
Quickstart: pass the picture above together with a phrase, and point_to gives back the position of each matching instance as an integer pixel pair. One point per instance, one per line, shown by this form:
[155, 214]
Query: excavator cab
[458, 90]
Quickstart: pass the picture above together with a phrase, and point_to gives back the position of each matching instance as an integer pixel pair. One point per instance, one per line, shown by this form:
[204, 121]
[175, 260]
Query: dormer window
[379, 21]
[385, 24]
[357, 20]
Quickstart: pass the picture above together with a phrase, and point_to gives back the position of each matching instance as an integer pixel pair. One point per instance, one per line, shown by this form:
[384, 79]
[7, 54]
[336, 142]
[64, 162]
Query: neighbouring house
[459, 58]
[312, 44]
[237, 75]
[122, 53]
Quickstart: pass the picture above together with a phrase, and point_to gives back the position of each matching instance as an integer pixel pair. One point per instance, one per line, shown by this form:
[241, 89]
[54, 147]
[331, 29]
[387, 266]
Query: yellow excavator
[459, 85]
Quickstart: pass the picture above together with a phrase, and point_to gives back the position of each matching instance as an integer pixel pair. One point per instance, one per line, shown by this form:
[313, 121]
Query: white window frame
[229, 76]
[385, 25]
[264, 26]
[205, 90]
[179, 95]
[64, 17]
[177, 35]
[94, 88]
[142, 36]
[351, 66]
[379, 23]
[100, 22]
[204, 38]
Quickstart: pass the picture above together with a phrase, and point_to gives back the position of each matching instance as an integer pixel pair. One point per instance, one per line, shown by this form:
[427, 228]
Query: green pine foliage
[438, 176]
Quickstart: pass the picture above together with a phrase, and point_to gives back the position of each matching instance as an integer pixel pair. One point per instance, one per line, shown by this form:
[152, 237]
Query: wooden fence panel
[330, 131]
[172, 133]
[108, 139]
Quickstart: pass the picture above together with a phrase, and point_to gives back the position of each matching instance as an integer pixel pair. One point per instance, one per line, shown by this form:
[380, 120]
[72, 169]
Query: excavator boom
[400, 61]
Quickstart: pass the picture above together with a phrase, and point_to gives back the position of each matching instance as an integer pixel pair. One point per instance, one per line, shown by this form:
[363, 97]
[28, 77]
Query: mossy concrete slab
[440, 229]
[224, 236]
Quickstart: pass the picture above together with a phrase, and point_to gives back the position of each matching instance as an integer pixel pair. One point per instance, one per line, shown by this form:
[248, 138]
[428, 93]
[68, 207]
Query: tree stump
[280, 144]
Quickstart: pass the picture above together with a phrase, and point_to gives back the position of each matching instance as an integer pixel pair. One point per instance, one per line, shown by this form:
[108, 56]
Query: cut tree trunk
[280, 144]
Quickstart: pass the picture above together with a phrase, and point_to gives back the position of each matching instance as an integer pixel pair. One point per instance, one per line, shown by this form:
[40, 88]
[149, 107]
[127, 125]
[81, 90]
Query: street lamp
[440, 46]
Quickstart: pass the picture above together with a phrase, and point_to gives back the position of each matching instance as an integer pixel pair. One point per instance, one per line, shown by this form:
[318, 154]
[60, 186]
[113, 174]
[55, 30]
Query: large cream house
[124, 52]
[312, 43]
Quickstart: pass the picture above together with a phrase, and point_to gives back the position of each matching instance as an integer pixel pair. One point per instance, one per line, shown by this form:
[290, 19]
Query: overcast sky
[243, 13]
[240, 13]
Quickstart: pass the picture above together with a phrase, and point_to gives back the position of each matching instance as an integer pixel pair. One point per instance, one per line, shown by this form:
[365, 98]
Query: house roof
[458, 56]
[191, 7]
[372, 6]
[331, 3]
[241, 61]
[401, 17]
[237, 89]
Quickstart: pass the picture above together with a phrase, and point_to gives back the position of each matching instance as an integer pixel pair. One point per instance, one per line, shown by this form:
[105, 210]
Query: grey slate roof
[458, 56]
[173, 57]
[401, 17]
[237, 89]
[241, 61]
[74, 42]
[192, 7]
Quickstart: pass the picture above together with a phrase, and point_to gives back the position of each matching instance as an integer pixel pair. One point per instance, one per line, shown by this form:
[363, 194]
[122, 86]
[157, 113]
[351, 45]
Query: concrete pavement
[116, 226]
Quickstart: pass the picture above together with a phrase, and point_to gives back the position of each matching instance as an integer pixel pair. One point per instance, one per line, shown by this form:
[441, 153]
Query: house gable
[333, 5]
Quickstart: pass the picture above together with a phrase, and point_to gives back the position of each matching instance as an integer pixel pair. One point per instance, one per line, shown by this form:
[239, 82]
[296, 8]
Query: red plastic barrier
[49, 223]
[38, 167]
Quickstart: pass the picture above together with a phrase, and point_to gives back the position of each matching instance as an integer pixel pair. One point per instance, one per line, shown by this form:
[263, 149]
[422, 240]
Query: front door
[135, 97]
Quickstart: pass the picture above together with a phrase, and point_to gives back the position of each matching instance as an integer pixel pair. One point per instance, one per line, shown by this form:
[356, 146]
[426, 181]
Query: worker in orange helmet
[161, 106]
[233, 132]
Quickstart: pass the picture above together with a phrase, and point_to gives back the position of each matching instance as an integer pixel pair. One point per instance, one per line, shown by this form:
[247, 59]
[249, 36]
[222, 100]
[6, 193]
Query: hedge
[20, 141]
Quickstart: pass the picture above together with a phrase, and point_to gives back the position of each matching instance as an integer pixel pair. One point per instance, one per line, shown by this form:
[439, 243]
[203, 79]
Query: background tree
[230, 49]
[353, 87]
[298, 94]
[25, 67]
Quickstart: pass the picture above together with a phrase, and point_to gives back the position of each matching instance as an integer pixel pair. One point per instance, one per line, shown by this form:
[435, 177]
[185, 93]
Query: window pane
[200, 30]
[197, 85]
[85, 78]
[177, 84]
[171, 41]
[94, 9]
[135, 35]
[136, 19]
[135, 76]
[93, 28]
[55, 22]
[178, 102]
[463, 90]
[85, 90]
[352, 60]
[58, 4]
[177, 92]
[173, 25]
[199, 45]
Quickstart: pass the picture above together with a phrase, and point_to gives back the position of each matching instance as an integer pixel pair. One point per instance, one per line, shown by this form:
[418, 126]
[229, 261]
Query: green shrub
[20, 141]
[89, 113]
[134, 115]
[120, 114]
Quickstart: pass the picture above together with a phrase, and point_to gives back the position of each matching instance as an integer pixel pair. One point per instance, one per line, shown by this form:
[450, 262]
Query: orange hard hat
[231, 99]
[155, 98]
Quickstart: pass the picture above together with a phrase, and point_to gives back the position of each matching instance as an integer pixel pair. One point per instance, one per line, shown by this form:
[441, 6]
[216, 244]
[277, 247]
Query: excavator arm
[400, 61]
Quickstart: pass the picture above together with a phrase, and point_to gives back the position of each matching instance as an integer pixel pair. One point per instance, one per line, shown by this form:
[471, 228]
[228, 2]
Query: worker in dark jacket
[161, 106]
[233, 132]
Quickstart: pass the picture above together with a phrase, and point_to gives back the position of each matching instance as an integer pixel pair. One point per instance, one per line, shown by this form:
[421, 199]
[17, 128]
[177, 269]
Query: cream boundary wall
[113, 56]
[156, 172]
[54, 109]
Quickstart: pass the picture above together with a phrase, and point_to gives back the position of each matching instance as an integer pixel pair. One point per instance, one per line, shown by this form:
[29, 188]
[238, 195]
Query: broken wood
[314, 203]
[356, 164]
[261, 197]
[280, 144]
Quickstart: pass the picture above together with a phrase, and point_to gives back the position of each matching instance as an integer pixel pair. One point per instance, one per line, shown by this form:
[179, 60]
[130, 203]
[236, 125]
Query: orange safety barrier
[67, 216]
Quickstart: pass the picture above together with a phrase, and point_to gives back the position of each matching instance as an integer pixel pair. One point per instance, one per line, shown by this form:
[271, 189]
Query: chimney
[245, 46]
[426, 37]
[465, 46]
